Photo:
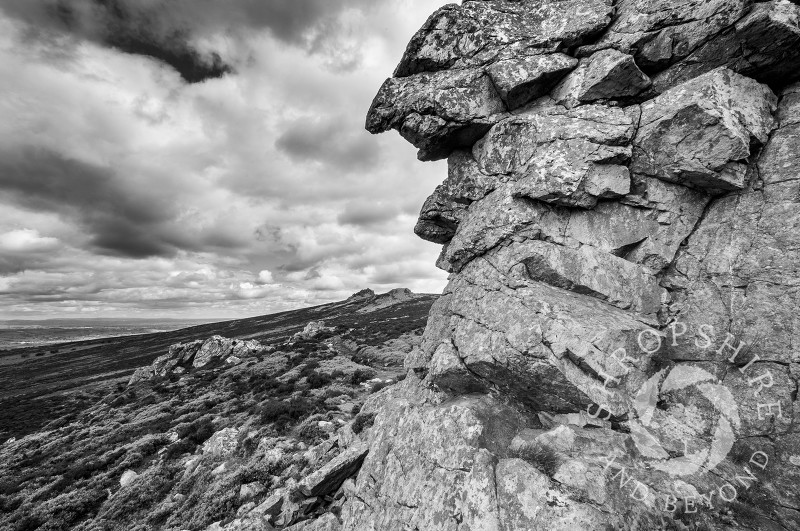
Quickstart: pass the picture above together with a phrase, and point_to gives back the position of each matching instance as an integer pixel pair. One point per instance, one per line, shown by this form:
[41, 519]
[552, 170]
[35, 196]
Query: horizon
[209, 320]
[229, 176]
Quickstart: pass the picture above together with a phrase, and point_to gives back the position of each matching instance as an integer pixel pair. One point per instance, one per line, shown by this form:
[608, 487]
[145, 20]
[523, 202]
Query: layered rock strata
[617, 347]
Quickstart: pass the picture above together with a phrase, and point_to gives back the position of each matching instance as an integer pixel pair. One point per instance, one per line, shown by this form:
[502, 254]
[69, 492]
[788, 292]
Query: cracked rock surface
[619, 341]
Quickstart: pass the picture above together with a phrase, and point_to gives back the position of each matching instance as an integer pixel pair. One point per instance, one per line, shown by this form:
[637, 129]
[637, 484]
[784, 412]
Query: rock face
[453, 82]
[617, 345]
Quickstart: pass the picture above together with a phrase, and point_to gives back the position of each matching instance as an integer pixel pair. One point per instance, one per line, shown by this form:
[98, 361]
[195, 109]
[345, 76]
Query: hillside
[215, 424]
[40, 384]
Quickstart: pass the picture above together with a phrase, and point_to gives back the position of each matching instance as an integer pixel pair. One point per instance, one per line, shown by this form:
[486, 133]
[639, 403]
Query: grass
[540, 456]
[33, 389]
[363, 421]
[69, 477]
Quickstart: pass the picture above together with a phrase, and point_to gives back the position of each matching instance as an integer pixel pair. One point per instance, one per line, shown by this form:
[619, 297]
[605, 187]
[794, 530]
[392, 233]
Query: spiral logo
[645, 406]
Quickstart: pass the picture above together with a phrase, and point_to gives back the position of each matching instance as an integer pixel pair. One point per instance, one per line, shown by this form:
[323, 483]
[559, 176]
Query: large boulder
[607, 75]
[437, 112]
[558, 156]
[197, 354]
[312, 330]
[702, 132]
[222, 443]
[218, 348]
[521, 80]
[127, 479]
[469, 64]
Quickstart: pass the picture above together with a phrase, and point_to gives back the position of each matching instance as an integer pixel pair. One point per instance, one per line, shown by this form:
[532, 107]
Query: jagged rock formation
[620, 215]
[312, 330]
[391, 298]
[197, 354]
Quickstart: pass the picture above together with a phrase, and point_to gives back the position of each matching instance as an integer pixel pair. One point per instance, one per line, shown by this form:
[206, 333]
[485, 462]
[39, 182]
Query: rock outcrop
[390, 298]
[312, 330]
[617, 345]
[183, 357]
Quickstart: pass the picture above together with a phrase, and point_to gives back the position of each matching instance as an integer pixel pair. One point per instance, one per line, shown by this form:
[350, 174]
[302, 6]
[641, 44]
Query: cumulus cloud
[21, 249]
[127, 191]
[26, 241]
[265, 277]
[122, 221]
[178, 32]
[337, 142]
[368, 214]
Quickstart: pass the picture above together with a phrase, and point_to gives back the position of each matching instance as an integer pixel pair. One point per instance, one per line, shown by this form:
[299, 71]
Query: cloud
[138, 28]
[26, 241]
[122, 220]
[368, 213]
[177, 32]
[22, 249]
[335, 142]
[127, 191]
[265, 277]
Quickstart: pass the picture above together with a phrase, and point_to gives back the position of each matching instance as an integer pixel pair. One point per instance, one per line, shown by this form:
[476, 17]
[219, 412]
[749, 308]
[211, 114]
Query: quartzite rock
[437, 112]
[648, 231]
[700, 133]
[572, 228]
[312, 330]
[660, 33]
[591, 272]
[479, 33]
[606, 75]
[326, 522]
[519, 81]
[553, 154]
[495, 219]
[739, 269]
[217, 348]
[442, 211]
[127, 479]
[330, 477]
[223, 443]
[762, 45]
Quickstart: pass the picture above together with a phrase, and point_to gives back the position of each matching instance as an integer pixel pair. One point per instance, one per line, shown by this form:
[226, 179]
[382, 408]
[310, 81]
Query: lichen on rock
[618, 220]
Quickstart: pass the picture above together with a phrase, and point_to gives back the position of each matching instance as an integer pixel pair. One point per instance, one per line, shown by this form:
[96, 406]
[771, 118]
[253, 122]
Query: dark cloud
[333, 141]
[10, 264]
[168, 30]
[255, 194]
[124, 220]
[133, 27]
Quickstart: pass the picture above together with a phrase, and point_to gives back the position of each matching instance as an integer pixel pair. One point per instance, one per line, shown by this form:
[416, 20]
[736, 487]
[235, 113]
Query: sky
[203, 158]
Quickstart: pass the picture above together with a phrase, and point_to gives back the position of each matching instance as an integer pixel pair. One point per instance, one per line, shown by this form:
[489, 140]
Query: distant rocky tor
[617, 347]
